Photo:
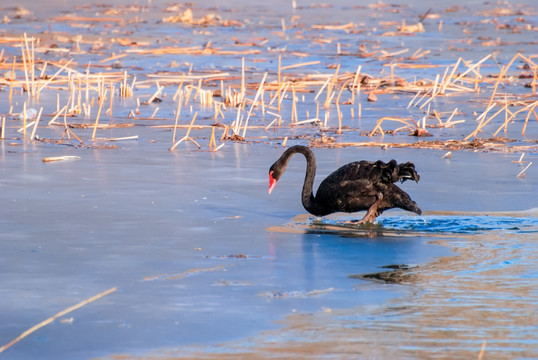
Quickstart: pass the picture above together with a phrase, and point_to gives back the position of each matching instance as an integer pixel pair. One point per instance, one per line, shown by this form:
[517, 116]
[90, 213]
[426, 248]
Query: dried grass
[89, 88]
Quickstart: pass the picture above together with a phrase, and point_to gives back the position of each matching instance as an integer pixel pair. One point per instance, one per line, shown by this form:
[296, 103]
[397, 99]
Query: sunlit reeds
[284, 99]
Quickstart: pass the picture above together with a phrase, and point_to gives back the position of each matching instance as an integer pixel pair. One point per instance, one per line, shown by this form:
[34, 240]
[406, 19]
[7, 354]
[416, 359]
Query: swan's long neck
[308, 199]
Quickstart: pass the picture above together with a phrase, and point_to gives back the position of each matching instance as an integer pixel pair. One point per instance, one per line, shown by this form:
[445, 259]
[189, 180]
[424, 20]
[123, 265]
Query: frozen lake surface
[201, 255]
[200, 261]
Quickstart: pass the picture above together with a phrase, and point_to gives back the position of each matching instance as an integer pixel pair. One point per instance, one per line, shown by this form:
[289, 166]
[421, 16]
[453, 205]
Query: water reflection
[484, 295]
[481, 299]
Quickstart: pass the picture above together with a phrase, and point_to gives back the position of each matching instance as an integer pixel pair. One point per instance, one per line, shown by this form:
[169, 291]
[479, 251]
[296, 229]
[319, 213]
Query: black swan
[360, 185]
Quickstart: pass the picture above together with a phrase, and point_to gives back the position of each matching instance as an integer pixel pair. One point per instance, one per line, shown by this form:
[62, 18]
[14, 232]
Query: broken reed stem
[131, 89]
[388, 118]
[279, 82]
[341, 90]
[299, 64]
[71, 132]
[271, 123]
[355, 79]
[49, 80]
[58, 113]
[238, 119]
[256, 98]
[65, 112]
[447, 82]
[99, 114]
[179, 88]
[155, 94]
[339, 112]
[112, 88]
[413, 99]
[24, 121]
[186, 137]
[262, 101]
[527, 118]
[502, 73]
[32, 63]
[178, 112]
[198, 90]
[449, 120]
[470, 68]
[54, 317]
[224, 135]
[212, 142]
[285, 86]
[481, 123]
[242, 79]
[522, 173]
[29, 56]
[530, 108]
[474, 69]
[188, 95]
[12, 80]
[294, 118]
[218, 147]
[32, 136]
[191, 124]
[433, 92]
[322, 88]
[87, 93]
[25, 67]
[482, 350]
[330, 88]
[499, 78]
[123, 86]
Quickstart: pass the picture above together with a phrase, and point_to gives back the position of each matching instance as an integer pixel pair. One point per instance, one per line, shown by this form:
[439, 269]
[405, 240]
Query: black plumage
[360, 185]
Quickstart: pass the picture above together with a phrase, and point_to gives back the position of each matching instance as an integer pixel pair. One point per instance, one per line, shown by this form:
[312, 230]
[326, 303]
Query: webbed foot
[372, 212]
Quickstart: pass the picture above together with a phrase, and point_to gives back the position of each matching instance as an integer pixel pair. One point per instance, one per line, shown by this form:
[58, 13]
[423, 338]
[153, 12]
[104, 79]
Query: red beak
[272, 182]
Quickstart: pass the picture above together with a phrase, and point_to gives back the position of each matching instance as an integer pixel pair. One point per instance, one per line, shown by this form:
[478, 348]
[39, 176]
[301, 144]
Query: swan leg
[372, 212]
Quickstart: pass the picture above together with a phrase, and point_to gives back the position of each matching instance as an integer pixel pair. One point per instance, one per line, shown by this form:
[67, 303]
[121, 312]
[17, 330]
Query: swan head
[275, 172]
[273, 178]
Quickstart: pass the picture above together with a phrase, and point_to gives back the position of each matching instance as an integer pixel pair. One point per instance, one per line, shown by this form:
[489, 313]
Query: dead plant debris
[315, 94]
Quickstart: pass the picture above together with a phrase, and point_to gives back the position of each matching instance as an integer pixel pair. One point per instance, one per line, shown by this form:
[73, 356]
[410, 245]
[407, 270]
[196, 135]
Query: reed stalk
[256, 98]
[355, 85]
[187, 137]
[98, 114]
[24, 121]
[243, 89]
[522, 172]
[56, 316]
[32, 136]
[279, 84]
[12, 80]
[178, 112]
[331, 87]
[294, 118]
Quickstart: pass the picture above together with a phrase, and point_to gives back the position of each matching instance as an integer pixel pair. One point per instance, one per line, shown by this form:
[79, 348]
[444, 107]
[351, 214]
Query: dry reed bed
[94, 92]
[243, 100]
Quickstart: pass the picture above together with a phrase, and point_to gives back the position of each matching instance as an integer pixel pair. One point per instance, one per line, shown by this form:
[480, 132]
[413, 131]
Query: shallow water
[464, 224]
[206, 264]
